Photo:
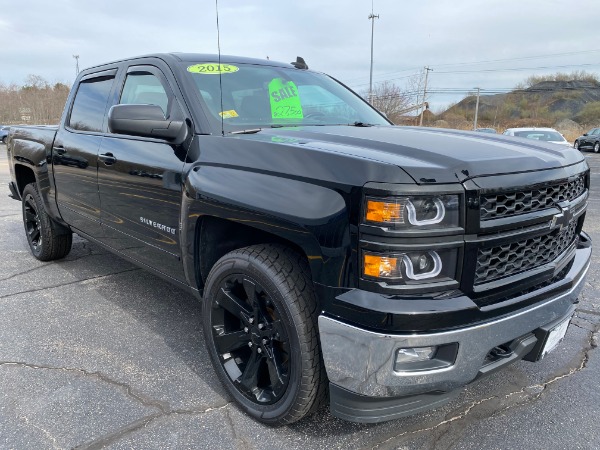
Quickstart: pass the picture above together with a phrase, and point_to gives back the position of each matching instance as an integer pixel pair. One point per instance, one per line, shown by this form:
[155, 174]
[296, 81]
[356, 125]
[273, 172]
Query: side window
[87, 113]
[145, 89]
[596, 131]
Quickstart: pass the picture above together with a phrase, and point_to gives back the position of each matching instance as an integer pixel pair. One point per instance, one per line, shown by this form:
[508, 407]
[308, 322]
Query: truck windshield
[256, 96]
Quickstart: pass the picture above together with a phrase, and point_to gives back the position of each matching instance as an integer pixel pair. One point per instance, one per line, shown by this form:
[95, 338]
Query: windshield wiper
[250, 131]
[289, 125]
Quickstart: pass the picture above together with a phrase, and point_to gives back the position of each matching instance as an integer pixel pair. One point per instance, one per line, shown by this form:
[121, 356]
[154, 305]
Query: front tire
[48, 240]
[260, 326]
[596, 147]
[576, 145]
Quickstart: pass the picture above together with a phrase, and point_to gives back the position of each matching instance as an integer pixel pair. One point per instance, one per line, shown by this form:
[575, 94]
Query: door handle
[107, 158]
[60, 150]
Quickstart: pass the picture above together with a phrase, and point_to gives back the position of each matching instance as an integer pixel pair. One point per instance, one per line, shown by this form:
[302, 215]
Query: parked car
[539, 134]
[4, 133]
[486, 130]
[589, 140]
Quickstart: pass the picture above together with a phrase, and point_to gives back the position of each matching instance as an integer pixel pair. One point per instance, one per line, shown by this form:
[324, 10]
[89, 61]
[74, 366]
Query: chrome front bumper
[362, 362]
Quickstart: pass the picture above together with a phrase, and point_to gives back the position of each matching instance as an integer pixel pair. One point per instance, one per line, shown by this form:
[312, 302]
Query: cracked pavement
[96, 353]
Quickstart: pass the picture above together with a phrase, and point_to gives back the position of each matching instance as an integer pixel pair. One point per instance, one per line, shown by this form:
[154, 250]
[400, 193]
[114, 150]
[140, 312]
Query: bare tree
[390, 99]
[36, 102]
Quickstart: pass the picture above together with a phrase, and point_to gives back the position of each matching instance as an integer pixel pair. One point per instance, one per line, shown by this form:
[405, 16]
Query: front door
[139, 181]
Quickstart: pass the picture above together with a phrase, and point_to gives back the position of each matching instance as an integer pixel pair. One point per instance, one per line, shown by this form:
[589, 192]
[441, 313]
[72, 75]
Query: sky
[489, 44]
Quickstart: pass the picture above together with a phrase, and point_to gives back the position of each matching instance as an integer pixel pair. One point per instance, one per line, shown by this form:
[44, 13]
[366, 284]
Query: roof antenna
[299, 63]
[220, 74]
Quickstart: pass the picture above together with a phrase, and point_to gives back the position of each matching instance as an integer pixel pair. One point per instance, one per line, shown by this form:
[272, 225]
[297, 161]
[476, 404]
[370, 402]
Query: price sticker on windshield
[212, 68]
[285, 100]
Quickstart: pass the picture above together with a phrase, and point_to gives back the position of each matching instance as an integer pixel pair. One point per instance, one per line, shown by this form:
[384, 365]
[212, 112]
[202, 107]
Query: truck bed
[31, 144]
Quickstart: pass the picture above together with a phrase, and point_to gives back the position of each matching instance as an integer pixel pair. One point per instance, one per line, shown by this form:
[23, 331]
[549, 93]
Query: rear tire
[260, 326]
[48, 240]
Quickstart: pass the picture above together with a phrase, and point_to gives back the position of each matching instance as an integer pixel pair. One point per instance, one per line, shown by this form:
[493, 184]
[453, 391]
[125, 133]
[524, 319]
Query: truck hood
[428, 155]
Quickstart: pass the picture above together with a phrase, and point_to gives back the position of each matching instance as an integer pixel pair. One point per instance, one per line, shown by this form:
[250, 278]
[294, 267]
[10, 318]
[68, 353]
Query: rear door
[75, 153]
[140, 183]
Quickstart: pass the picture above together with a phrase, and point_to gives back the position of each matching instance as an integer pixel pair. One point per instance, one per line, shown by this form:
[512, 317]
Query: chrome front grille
[512, 203]
[512, 258]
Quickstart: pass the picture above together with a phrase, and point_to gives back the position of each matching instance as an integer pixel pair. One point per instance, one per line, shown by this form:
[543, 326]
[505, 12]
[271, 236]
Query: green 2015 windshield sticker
[285, 101]
[212, 68]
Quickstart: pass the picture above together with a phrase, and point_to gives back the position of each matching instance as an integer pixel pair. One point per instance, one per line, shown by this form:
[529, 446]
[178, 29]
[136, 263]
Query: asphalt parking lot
[96, 353]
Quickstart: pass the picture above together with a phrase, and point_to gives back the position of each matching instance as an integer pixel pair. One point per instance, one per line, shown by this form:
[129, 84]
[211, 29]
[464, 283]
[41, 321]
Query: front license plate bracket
[548, 338]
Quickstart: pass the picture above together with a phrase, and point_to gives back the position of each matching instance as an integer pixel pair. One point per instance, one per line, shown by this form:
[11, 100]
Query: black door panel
[140, 193]
[75, 174]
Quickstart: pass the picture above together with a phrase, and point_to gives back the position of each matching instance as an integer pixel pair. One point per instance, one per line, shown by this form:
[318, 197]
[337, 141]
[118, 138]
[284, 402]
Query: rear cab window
[89, 106]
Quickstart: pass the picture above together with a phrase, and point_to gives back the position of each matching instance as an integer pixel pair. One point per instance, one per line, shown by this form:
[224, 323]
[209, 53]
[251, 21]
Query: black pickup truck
[336, 255]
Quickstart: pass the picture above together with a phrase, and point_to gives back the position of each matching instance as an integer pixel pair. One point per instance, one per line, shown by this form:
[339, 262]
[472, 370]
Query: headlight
[414, 212]
[411, 266]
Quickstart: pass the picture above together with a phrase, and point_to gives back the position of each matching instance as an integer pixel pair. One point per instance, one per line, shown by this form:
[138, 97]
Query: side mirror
[585, 134]
[145, 121]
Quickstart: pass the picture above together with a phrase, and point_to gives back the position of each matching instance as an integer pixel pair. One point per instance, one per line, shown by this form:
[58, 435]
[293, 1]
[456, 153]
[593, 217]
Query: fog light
[418, 359]
[414, 354]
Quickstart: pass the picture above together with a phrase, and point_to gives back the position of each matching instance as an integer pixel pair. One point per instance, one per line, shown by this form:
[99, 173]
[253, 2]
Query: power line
[412, 69]
[515, 69]
[382, 81]
[523, 58]
[488, 91]
[467, 63]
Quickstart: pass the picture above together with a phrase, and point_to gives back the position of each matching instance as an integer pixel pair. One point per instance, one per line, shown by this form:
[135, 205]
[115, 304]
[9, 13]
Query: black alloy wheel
[32, 224]
[47, 239]
[260, 326]
[251, 339]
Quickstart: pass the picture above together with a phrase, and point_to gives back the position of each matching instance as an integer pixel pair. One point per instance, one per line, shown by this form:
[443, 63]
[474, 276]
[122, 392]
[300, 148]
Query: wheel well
[24, 176]
[216, 237]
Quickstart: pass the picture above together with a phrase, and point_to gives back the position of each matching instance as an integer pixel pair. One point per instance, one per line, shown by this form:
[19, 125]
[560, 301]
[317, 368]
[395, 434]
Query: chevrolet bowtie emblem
[561, 219]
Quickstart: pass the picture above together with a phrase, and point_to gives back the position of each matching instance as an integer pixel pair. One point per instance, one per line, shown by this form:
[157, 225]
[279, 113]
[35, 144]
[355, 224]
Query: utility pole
[76, 64]
[372, 18]
[427, 69]
[476, 110]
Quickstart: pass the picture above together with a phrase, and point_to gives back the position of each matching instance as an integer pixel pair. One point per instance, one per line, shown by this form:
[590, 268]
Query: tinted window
[144, 89]
[88, 109]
